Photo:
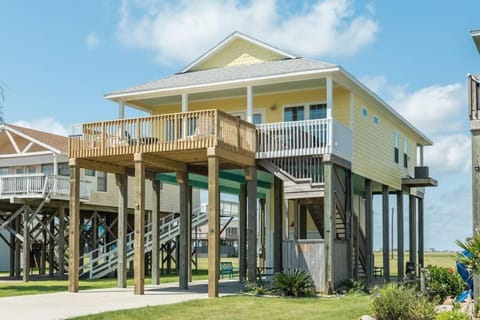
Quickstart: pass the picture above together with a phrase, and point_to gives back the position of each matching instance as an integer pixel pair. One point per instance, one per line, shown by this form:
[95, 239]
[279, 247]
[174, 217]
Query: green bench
[226, 268]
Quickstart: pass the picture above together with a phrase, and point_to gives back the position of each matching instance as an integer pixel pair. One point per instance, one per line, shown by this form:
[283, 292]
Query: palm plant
[470, 256]
[293, 283]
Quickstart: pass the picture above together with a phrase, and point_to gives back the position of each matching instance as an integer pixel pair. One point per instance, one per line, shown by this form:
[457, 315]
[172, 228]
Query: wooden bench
[226, 268]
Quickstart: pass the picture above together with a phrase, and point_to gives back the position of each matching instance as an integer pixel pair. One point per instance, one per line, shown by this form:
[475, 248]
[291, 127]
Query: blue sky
[58, 59]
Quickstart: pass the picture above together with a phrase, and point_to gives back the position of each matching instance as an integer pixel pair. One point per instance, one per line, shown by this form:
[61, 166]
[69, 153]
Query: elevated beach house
[34, 207]
[303, 143]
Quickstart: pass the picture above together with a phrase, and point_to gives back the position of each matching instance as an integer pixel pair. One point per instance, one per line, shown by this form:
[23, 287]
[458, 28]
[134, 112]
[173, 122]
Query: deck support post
[61, 243]
[249, 104]
[26, 246]
[278, 222]
[51, 248]
[18, 247]
[475, 132]
[184, 251]
[302, 222]
[242, 246]
[386, 233]
[420, 233]
[12, 250]
[189, 232]
[329, 226]
[156, 232]
[349, 221]
[122, 184]
[412, 219]
[213, 224]
[369, 231]
[400, 245]
[251, 177]
[139, 245]
[74, 230]
[262, 232]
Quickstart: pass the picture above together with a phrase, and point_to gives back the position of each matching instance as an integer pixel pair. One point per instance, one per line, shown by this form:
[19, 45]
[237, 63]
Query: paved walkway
[63, 305]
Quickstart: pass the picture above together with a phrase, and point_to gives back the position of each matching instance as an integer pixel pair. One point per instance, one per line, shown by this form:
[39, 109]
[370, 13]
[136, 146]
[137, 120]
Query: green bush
[453, 315]
[443, 282]
[256, 287]
[401, 303]
[352, 286]
[293, 283]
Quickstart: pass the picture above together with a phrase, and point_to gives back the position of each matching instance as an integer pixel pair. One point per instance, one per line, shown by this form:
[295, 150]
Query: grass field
[442, 259]
[15, 288]
[251, 308]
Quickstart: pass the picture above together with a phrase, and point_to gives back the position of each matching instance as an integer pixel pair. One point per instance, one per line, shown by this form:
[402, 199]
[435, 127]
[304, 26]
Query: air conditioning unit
[421, 172]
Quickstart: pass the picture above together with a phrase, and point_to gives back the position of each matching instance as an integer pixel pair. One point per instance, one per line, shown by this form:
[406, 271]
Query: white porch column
[329, 97]
[121, 110]
[249, 104]
[184, 109]
[184, 102]
[420, 156]
[55, 165]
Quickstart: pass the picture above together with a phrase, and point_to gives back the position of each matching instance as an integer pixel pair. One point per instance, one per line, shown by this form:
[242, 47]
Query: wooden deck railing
[39, 185]
[302, 138]
[163, 133]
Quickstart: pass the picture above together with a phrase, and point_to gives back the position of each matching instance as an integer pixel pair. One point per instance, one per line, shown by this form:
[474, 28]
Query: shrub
[293, 283]
[453, 315]
[352, 286]
[443, 282]
[256, 287]
[398, 302]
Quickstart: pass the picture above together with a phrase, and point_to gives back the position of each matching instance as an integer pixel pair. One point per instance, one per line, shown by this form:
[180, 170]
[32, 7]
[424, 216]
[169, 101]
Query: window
[318, 111]
[47, 168]
[90, 173]
[31, 169]
[3, 171]
[101, 181]
[375, 119]
[19, 171]
[63, 169]
[364, 112]
[293, 113]
[395, 146]
[405, 153]
[257, 118]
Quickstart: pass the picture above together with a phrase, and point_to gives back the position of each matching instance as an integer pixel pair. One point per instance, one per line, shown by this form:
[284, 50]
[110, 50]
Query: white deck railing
[302, 138]
[39, 185]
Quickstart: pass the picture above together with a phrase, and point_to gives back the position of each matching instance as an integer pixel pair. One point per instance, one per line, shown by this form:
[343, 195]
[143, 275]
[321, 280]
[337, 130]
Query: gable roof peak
[228, 40]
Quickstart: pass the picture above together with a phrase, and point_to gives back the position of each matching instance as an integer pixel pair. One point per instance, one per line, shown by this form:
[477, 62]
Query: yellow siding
[239, 52]
[341, 106]
[373, 147]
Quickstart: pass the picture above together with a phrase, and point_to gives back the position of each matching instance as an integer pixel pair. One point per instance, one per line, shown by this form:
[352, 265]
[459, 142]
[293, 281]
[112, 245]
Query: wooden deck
[179, 137]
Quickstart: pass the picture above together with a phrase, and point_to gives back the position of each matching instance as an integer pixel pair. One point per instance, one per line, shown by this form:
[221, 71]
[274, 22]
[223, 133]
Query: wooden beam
[329, 226]
[151, 160]
[74, 231]
[369, 231]
[242, 246]
[122, 184]
[182, 179]
[139, 255]
[213, 226]
[232, 156]
[421, 248]
[277, 229]
[156, 232]
[26, 246]
[412, 219]
[251, 176]
[61, 242]
[96, 165]
[386, 233]
[400, 251]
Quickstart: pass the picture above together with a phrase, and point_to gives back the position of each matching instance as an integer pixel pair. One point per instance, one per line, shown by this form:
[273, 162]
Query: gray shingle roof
[218, 75]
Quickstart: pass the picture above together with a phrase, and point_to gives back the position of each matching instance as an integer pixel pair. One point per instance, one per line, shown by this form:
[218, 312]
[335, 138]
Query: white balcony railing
[302, 138]
[39, 185]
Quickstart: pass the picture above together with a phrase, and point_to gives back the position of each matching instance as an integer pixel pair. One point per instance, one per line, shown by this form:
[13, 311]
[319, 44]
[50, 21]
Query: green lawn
[442, 259]
[17, 288]
[248, 307]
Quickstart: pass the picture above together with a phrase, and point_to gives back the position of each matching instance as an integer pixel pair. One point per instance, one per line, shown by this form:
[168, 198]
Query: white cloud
[434, 110]
[449, 154]
[92, 41]
[179, 31]
[375, 83]
[46, 124]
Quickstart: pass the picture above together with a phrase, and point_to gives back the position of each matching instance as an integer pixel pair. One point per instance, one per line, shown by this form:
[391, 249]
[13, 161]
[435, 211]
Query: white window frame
[396, 144]
[405, 152]
[306, 108]
[243, 113]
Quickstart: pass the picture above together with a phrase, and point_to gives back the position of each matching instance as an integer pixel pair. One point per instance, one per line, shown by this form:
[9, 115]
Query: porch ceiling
[150, 103]
[229, 180]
